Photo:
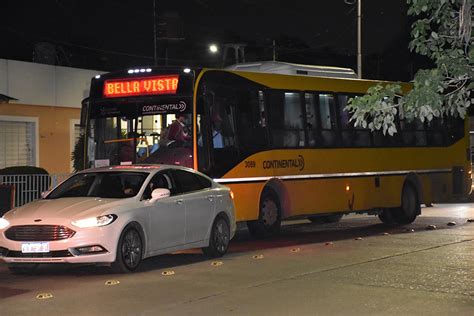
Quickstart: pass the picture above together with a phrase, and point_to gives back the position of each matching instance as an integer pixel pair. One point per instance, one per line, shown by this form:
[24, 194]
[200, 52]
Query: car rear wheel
[219, 239]
[269, 219]
[129, 251]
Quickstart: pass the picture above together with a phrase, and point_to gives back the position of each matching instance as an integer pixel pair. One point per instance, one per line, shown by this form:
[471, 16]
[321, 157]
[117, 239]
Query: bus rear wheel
[407, 212]
[410, 207]
[269, 218]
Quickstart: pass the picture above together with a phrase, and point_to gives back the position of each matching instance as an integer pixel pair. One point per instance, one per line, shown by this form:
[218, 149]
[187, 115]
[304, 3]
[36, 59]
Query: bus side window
[327, 120]
[351, 136]
[311, 119]
[286, 119]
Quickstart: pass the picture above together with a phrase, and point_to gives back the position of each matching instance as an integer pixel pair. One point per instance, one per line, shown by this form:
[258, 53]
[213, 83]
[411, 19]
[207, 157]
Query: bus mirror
[158, 194]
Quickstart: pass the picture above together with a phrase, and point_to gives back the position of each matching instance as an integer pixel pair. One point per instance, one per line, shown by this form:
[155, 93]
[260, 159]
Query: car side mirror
[158, 194]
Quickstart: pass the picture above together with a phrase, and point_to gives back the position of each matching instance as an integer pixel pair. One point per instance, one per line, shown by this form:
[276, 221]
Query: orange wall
[54, 133]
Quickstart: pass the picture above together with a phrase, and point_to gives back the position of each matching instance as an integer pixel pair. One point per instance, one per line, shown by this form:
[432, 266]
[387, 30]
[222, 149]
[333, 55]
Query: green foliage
[376, 110]
[77, 156]
[22, 170]
[441, 32]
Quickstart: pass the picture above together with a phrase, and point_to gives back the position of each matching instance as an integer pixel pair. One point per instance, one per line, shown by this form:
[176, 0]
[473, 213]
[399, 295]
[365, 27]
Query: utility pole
[155, 39]
[359, 39]
[359, 34]
[274, 51]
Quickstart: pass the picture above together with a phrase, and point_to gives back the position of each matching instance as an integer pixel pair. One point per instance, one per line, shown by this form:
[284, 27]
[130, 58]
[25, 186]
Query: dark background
[109, 35]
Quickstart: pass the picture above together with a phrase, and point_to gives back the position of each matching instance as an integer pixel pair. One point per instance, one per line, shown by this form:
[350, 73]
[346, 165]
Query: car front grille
[39, 233]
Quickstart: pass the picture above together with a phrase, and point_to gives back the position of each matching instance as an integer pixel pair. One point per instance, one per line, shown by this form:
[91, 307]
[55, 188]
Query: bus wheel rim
[269, 212]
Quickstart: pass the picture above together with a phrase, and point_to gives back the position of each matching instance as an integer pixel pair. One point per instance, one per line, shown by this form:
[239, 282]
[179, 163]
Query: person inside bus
[178, 132]
[217, 139]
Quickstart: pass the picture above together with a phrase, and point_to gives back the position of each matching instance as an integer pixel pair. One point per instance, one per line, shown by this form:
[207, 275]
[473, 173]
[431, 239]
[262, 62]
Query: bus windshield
[118, 140]
[140, 116]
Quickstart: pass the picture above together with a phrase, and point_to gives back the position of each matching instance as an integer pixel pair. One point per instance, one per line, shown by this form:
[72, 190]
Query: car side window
[160, 180]
[189, 181]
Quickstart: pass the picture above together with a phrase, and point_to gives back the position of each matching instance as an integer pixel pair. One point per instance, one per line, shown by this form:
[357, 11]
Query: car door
[166, 227]
[200, 204]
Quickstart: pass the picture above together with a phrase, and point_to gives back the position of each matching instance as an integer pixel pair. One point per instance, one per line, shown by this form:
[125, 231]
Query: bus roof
[278, 67]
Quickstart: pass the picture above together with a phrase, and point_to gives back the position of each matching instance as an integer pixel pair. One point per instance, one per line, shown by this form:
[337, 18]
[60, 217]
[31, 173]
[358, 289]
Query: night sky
[108, 35]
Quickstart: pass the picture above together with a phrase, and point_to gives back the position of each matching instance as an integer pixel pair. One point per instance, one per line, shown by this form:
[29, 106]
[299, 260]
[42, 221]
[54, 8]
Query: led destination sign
[141, 86]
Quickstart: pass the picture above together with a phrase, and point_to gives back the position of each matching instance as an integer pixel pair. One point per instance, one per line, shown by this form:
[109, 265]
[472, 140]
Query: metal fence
[28, 187]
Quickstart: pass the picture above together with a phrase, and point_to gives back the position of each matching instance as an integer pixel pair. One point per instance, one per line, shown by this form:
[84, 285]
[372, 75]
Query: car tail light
[231, 194]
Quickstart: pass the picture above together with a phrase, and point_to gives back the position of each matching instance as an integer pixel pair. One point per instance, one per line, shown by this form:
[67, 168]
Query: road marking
[112, 282]
[44, 296]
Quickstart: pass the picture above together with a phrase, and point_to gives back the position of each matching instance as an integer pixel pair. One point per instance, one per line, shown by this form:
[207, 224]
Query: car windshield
[116, 185]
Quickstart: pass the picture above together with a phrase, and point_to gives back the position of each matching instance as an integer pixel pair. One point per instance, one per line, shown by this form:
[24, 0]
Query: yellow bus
[282, 142]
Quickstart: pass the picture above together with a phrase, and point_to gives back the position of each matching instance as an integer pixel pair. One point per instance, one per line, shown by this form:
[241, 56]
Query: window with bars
[17, 143]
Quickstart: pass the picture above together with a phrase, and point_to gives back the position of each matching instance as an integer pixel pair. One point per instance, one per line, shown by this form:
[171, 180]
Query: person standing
[178, 131]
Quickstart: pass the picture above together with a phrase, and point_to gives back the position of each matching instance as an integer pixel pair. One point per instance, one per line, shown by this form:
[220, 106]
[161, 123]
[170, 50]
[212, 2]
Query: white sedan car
[120, 215]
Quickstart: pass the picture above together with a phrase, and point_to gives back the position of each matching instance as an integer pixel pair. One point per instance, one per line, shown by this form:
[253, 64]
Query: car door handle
[210, 197]
[179, 202]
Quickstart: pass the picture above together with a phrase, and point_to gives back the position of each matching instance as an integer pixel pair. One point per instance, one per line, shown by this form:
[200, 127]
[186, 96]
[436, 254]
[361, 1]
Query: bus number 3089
[250, 164]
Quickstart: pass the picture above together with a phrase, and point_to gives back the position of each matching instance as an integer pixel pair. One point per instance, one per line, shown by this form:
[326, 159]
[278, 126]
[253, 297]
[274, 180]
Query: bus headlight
[98, 221]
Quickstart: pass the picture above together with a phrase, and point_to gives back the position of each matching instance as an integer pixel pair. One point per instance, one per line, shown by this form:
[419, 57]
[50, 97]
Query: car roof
[149, 168]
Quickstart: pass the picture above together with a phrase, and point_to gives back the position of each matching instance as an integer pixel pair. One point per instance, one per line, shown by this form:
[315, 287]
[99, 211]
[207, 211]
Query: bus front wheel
[269, 218]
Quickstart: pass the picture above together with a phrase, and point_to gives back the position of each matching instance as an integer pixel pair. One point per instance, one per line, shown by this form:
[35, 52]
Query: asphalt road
[355, 267]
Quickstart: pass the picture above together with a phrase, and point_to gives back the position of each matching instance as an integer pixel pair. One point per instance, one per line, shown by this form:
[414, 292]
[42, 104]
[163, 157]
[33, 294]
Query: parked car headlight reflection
[3, 223]
[95, 221]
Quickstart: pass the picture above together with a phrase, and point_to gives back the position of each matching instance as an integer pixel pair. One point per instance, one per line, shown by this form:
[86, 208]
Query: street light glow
[213, 48]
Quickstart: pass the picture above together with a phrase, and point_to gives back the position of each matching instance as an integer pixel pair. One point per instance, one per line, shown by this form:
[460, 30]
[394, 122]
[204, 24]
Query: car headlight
[3, 223]
[95, 221]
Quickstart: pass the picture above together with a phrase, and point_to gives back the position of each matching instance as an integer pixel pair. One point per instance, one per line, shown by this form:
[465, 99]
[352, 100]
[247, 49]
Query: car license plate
[35, 247]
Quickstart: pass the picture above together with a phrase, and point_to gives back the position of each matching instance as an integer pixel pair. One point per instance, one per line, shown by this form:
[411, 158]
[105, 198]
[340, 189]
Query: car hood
[64, 208]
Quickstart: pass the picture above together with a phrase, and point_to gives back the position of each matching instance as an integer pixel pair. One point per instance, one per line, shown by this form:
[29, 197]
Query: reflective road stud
[257, 257]
[216, 263]
[112, 282]
[295, 250]
[44, 296]
[167, 273]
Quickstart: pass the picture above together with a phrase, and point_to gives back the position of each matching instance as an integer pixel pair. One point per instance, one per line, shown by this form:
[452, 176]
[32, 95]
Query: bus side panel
[343, 195]
[246, 200]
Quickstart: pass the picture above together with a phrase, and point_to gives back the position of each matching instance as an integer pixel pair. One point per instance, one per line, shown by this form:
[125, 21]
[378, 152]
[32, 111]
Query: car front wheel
[129, 251]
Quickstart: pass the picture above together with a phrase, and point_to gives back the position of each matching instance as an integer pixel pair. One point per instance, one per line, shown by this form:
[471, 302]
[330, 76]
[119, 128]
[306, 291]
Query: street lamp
[213, 48]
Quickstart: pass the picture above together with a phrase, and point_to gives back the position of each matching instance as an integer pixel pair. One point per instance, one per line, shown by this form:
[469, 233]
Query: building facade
[40, 126]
